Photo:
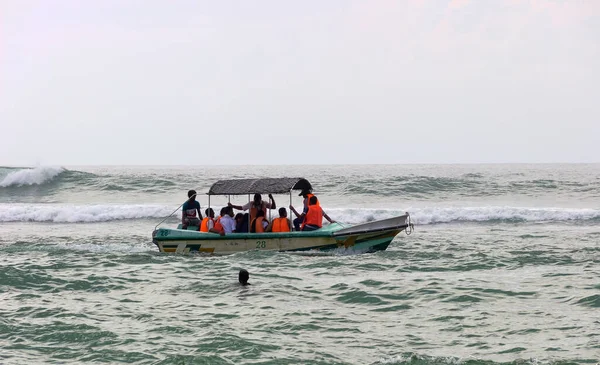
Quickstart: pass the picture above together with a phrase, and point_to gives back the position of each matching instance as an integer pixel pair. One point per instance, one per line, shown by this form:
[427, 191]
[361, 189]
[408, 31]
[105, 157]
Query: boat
[335, 237]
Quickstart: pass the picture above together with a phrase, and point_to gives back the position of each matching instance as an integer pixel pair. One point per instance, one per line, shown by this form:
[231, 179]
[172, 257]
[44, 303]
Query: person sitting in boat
[221, 212]
[313, 218]
[227, 222]
[281, 224]
[188, 211]
[209, 221]
[218, 228]
[241, 223]
[260, 223]
[256, 205]
[307, 194]
[209, 224]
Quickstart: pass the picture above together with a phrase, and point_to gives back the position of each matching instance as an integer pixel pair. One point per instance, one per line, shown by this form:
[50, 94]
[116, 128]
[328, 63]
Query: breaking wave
[62, 213]
[435, 215]
[58, 183]
[28, 177]
[79, 213]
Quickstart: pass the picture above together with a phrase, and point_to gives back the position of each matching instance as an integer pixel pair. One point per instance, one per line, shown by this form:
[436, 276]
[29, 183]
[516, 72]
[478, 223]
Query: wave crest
[79, 213]
[35, 176]
[433, 215]
[61, 213]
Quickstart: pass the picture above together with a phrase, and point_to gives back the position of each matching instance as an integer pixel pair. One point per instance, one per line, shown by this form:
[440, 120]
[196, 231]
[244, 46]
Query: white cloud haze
[278, 82]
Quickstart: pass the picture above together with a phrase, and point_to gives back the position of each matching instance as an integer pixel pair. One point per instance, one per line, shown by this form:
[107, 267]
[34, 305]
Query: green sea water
[503, 268]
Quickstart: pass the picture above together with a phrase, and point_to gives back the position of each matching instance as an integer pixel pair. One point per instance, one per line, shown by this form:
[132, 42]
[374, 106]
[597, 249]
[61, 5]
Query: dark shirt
[242, 227]
[189, 208]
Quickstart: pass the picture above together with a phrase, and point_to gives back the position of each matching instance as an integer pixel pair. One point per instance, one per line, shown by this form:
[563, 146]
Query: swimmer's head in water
[244, 276]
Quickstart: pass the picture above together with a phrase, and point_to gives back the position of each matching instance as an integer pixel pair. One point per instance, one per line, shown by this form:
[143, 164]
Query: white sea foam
[59, 213]
[108, 247]
[62, 213]
[466, 214]
[36, 176]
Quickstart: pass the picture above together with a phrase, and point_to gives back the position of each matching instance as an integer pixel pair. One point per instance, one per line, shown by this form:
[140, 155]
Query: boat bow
[395, 223]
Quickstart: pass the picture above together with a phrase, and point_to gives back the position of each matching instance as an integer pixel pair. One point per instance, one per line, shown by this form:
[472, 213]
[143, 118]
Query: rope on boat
[169, 216]
[410, 228]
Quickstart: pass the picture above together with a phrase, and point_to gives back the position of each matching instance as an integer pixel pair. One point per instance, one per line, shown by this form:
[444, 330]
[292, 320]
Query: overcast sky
[298, 82]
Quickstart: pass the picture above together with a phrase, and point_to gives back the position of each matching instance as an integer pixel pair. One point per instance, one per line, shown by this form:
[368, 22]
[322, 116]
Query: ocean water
[503, 268]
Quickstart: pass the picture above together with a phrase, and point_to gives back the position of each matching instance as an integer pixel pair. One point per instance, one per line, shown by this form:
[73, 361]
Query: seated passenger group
[310, 219]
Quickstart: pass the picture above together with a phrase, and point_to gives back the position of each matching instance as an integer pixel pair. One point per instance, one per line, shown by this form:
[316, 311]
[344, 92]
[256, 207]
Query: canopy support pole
[249, 210]
[208, 204]
[290, 214]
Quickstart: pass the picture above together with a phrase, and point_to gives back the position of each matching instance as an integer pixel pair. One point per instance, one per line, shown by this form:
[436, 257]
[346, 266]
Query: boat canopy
[281, 185]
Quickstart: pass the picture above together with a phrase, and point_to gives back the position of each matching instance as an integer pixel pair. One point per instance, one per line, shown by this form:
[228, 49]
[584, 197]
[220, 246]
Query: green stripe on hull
[367, 245]
[192, 247]
[370, 245]
[314, 248]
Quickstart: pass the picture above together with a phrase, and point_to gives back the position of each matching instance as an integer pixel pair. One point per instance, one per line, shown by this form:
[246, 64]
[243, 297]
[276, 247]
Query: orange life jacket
[314, 216]
[281, 225]
[204, 224]
[307, 200]
[254, 209]
[218, 225]
[256, 226]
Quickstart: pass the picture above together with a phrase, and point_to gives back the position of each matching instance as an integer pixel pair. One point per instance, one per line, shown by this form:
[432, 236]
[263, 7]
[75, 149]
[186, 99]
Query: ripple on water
[590, 301]
[464, 299]
[360, 297]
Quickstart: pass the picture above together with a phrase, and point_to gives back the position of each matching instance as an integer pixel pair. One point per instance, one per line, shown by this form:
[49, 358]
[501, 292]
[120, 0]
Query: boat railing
[410, 228]
[170, 215]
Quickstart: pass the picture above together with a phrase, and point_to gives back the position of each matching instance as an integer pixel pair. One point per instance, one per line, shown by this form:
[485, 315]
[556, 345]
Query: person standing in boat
[256, 205]
[188, 211]
[313, 218]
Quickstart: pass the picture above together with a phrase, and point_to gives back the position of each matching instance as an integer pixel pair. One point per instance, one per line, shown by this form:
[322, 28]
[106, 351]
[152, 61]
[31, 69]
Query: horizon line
[313, 164]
